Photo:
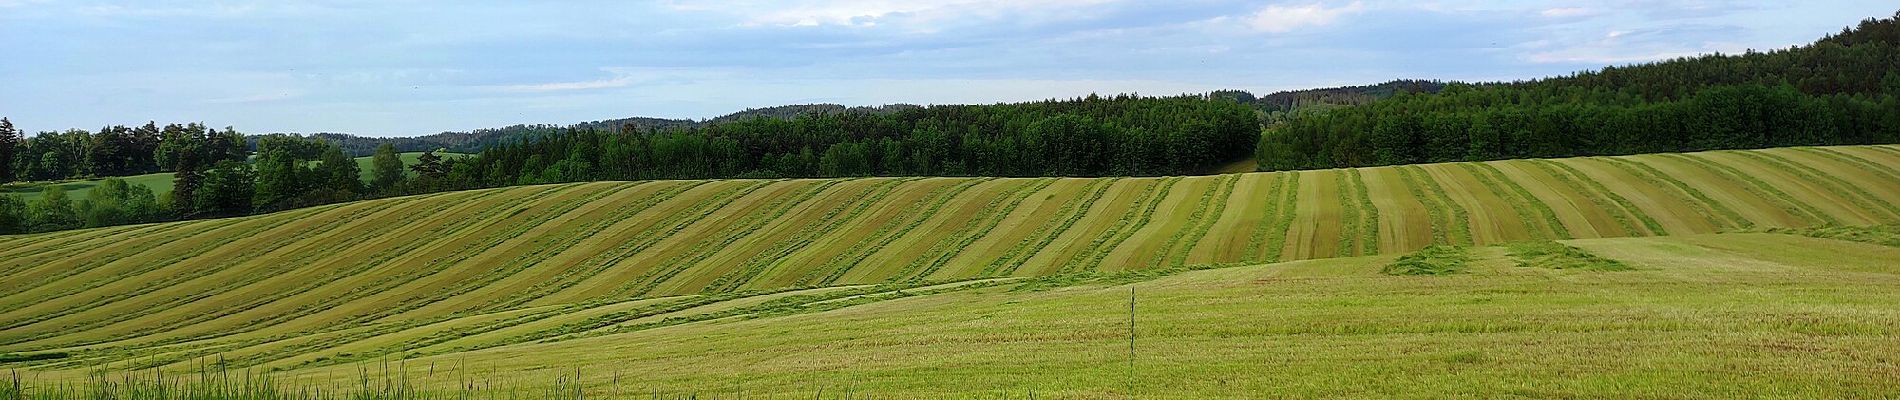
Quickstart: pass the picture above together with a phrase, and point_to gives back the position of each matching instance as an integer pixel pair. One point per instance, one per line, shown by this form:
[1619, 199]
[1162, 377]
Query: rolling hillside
[496, 270]
[1715, 316]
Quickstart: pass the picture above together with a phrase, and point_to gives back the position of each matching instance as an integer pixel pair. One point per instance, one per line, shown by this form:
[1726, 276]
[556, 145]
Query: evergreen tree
[10, 141]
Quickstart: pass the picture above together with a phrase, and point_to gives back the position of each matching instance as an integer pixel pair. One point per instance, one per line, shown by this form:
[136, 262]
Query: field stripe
[1757, 185]
[982, 224]
[1034, 216]
[1228, 235]
[587, 260]
[914, 216]
[1760, 208]
[282, 261]
[437, 271]
[538, 265]
[1348, 216]
[1270, 217]
[285, 285]
[1092, 253]
[123, 271]
[660, 274]
[1145, 244]
[43, 272]
[1270, 238]
[532, 236]
[1885, 171]
[802, 236]
[1445, 214]
[438, 277]
[1578, 215]
[1404, 224]
[1618, 208]
[1369, 224]
[204, 274]
[1659, 209]
[1212, 205]
[395, 265]
[1864, 200]
[1717, 212]
[1483, 223]
[1072, 211]
[21, 246]
[1311, 233]
[268, 318]
[635, 235]
[1537, 218]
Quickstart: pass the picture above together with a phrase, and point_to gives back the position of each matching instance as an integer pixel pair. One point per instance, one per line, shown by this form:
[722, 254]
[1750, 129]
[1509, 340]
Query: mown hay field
[447, 274]
[1694, 316]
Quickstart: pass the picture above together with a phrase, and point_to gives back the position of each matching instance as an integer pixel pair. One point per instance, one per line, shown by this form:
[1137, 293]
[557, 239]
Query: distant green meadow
[162, 182]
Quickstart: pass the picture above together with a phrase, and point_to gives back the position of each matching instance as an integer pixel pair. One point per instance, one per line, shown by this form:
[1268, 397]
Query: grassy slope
[345, 283]
[1700, 316]
[162, 182]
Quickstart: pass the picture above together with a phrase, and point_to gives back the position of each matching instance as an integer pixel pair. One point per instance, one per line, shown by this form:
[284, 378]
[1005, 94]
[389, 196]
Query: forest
[1839, 90]
[1094, 136]
[224, 173]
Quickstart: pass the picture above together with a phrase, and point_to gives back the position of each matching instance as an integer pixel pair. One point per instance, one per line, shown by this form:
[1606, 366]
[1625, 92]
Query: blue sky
[410, 67]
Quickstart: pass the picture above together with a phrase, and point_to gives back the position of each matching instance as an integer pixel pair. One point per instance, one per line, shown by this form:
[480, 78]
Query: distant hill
[475, 141]
[1291, 100]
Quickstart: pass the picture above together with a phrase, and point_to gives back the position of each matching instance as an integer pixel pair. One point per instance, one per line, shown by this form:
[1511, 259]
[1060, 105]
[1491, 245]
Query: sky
[415, 67]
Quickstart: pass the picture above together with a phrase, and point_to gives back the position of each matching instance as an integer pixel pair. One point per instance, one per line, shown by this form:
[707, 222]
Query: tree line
[1094, 136]
[213, 176]
[1839, 90]
[114, 150]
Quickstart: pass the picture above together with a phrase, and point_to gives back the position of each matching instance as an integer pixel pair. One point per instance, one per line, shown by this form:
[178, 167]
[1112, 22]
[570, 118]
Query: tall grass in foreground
[219, 384]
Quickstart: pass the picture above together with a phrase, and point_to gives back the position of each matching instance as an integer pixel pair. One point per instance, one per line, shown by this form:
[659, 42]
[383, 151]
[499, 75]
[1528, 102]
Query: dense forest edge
[1839, 90]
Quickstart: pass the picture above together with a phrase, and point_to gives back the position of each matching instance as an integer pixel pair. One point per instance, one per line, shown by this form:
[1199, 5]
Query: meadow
[1007, 286]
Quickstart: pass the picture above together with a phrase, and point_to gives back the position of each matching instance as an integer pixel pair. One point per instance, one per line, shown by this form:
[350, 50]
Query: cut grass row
[1212, 204]
[1282, 203]
[1755, 185]
[423, 271]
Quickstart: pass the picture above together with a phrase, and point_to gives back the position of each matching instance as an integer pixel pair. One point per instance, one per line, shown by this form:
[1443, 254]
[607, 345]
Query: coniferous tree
[10, 140]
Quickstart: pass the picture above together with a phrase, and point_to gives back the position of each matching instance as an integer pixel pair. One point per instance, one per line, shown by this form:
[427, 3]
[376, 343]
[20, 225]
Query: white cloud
[1283, 18]
[216, 10]
[18, 3]
[620, 79]
[257, 98]
[867, 13]
[1609, 52]
[1568, 12]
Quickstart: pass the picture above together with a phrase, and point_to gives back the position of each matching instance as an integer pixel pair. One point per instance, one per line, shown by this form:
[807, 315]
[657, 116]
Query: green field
[982, 286]
[162, 182]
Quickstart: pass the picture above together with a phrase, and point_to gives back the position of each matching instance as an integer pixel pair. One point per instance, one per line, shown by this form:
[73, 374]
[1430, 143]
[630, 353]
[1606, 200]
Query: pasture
[161, 182]
[947, 285]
